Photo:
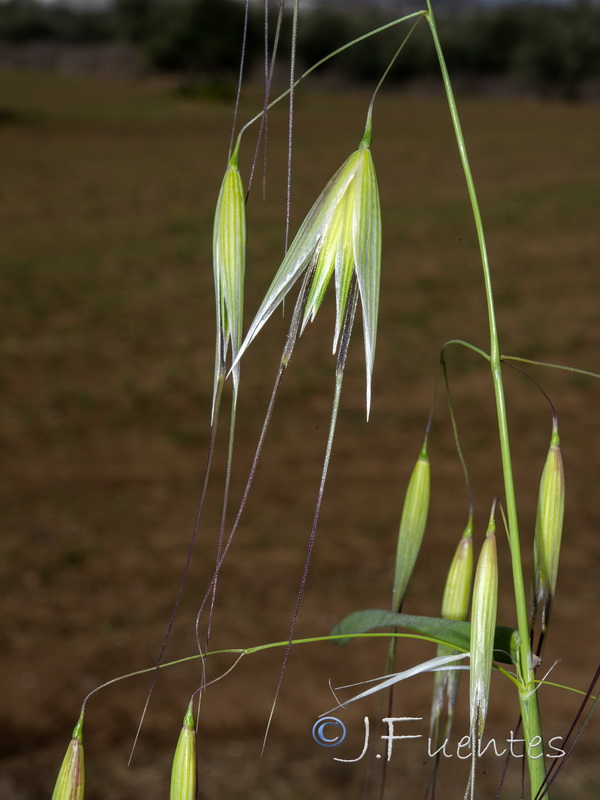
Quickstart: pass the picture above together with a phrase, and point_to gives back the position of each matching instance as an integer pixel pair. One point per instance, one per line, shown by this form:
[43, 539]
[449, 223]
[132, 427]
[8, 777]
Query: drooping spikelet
[70, 782]
[483, 626]
[183, 774]
[457, 590]
[548, 530]
[455, 605]
[341, 236]
[412, 526]
[229, 264]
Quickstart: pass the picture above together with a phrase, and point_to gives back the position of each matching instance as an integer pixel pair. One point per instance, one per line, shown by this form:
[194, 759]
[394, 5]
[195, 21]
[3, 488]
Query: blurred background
[546, 48]
[114, 124]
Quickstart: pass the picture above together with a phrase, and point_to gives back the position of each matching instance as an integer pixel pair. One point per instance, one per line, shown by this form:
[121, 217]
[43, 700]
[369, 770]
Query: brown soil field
[107, 193]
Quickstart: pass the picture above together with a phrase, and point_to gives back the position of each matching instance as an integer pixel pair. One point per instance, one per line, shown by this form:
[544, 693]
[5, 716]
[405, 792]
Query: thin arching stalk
[563, 367]
[326, 58]
[238, 92]
[454, 424]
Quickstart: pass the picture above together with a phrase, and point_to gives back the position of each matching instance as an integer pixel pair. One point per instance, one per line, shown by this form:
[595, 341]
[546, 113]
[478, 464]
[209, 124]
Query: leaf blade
[454, 633]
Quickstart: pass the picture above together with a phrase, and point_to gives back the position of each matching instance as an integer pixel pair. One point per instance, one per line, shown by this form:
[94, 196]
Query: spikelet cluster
[341, 238]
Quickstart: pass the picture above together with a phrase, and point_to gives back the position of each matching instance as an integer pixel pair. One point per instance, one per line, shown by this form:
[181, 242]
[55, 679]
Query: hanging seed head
[341, 236]
[455, 605]
[412, 526]
[183, 774]
[229, 264]
[457, 590]
[483, 626]
[71, 777]
[548, 529]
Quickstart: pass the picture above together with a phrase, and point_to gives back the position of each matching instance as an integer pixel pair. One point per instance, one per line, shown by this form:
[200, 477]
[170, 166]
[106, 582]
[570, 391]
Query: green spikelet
[548, 529]
[70, 782]
[483, 625]
[229, 264]
[183, 774]
[457, 590]
[455, 605]
[412, 526]
[340, 236]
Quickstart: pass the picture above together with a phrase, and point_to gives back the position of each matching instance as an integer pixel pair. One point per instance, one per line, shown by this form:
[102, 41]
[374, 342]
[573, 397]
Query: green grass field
[107, 191]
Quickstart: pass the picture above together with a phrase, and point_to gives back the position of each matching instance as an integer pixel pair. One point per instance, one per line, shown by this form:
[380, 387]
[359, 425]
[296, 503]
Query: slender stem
[238, 92]
[564, 367]
[459, 451]
[467, 345]
[339, 50]
[528, 701]
[385, 74]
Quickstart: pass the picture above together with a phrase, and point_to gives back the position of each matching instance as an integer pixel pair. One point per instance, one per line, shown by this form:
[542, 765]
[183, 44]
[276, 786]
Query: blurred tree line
[555, 48]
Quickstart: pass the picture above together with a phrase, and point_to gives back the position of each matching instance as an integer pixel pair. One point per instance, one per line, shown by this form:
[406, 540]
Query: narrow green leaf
[451, 632]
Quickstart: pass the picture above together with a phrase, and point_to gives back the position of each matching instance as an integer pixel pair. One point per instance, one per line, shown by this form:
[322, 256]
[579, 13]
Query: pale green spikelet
[183, 774]
[457, 590]
[483, 626]
[229, 264]
[412, 526]
[70, 782]
[548, 529]
[367, 255]
[341, 236]
[455, 605]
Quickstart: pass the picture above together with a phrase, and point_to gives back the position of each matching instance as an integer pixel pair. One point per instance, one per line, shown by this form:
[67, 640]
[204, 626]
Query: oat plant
[340, 243]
